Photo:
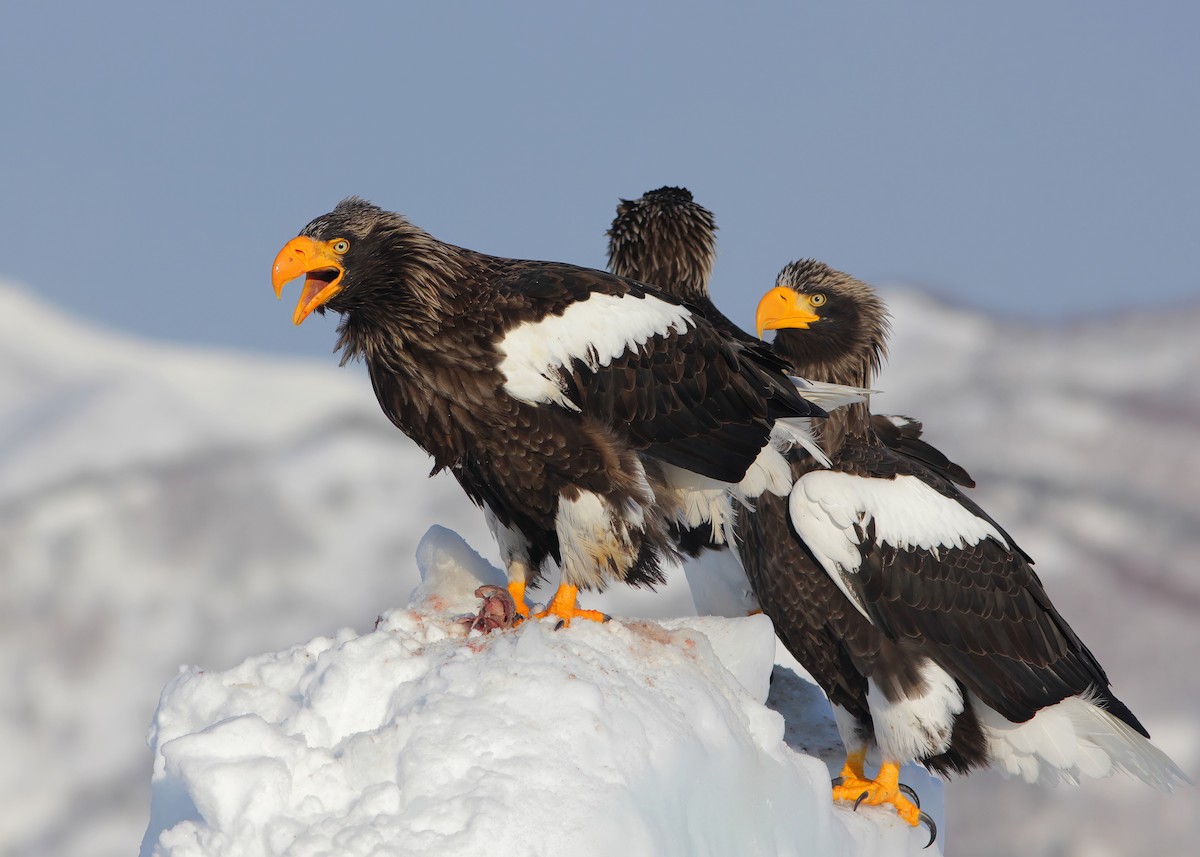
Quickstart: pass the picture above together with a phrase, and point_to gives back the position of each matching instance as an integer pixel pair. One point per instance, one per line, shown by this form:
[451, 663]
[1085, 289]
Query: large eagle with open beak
[579, 409]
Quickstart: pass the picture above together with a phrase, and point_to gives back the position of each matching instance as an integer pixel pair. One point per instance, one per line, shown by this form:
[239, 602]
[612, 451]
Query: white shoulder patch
[826, 507]
[594, 331]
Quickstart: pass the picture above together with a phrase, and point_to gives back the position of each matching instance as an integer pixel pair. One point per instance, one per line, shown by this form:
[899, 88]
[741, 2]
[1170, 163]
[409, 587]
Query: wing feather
[642, 364]
[926, 565]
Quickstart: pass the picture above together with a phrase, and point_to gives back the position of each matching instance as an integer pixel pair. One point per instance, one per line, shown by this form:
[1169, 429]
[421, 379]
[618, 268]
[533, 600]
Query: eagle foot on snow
[563, 605]
[852, 785]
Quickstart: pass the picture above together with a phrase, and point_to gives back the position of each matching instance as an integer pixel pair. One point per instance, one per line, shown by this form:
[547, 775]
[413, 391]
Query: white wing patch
[594, 331]
[827, 506]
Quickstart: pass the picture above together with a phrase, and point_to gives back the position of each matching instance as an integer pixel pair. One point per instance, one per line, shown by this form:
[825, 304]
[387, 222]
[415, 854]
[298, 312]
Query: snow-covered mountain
[162, 506]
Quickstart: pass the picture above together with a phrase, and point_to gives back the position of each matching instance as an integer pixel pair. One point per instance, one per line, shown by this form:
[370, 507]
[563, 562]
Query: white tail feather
[1073, 738]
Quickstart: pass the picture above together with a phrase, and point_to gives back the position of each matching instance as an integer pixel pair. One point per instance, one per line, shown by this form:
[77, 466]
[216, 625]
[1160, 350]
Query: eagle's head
[332, 252]
[664, 238]
[826, 319]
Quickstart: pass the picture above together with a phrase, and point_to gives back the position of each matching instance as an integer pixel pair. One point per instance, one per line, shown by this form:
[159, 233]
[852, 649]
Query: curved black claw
[908, 790]
[861, 798]
[928, 822]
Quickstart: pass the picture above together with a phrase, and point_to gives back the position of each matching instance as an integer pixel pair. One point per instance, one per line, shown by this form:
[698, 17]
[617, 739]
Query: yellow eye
[340, 246]
[816, 300]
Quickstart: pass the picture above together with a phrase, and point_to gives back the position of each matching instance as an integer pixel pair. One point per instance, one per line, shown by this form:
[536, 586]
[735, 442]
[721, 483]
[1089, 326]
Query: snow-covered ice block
[629, 737]
[451, 571]
[744, 646]
[415, 739]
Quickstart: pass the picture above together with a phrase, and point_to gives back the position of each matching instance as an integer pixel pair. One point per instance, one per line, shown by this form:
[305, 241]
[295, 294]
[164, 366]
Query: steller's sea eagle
[951, 652]
[578, 408]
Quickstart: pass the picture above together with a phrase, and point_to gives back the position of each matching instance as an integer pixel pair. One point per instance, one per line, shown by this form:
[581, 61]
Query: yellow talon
[884, 789]
[563, 606]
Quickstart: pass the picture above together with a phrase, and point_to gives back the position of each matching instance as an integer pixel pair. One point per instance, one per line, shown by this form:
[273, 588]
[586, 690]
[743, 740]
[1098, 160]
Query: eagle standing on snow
[576, 407]
[951, 652]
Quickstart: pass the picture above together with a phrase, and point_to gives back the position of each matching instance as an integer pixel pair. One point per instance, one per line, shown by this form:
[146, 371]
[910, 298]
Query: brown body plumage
[553, 393]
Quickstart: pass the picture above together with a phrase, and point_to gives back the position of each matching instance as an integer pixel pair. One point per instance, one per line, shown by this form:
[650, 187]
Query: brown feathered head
[831, 326]
[666, 239]
[361, 256]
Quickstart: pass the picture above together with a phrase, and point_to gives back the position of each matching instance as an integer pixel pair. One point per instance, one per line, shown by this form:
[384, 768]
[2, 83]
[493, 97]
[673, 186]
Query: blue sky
[1035, 159]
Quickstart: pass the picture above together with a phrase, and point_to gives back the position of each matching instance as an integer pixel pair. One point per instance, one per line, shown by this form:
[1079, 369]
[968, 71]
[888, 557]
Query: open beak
[783, 307]
[323, 267]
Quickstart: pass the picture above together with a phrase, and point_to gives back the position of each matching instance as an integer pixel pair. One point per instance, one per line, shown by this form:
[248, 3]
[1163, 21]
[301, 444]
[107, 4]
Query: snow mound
[416, 738]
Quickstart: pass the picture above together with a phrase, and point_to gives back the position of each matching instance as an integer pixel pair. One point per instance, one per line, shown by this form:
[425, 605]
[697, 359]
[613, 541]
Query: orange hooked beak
[783, 307]
[317, 259]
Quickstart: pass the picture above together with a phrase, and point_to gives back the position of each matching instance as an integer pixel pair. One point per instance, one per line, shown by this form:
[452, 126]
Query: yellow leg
[852, 782]
[885, 788]
[853, 769]
[563, 606]
[516, 588]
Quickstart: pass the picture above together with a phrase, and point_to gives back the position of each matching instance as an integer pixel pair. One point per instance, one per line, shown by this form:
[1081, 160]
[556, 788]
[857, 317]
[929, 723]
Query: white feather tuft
[831, 396]
[770, 472]
[921, 724]
[699, 500]
[596, 541]
[789, 433]
[513, 546]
